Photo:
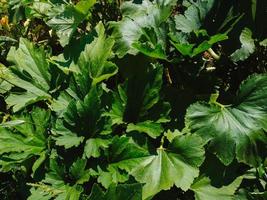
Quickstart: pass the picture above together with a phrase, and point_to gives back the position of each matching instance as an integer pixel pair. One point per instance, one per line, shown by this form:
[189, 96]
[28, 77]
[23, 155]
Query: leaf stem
[213, 100]
[168, 76]
[162, 142]
[213, 54]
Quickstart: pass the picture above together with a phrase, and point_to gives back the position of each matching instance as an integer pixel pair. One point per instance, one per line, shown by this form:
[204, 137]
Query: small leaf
[94, 145]
[84, 6]
[65, 137]
[149, 127]
[264, 43]
[12, 123]
[171, 135]
[247, 48]
[153, 52]
[38, 162]
[78, 171]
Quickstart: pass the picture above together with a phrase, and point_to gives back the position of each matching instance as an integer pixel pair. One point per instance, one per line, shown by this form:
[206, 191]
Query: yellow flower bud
[4, 22]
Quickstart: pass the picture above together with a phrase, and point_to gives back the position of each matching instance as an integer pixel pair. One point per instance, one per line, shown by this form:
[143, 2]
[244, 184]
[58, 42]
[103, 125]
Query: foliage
[133, 100]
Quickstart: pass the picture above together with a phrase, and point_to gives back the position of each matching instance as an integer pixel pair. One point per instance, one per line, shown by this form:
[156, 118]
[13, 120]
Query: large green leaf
[95, 57]
[234, 130]
[131, 103]
[24, 141]
[193, 16]
[205, 191]
[247, 48]
[137, 17]
[138, 101]
[176, 165]
[66, 23]
[30, 72]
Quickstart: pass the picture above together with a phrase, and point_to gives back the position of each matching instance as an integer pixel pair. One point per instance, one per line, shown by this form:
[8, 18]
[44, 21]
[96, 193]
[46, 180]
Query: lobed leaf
[234, 131]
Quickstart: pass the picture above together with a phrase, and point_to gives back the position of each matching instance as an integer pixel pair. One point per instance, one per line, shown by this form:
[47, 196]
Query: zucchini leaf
[205, 191]
[23, 141]
[142, 20]
[177, 165]
[31, 72]
[135, 106]
[235, 130]
[247, 48]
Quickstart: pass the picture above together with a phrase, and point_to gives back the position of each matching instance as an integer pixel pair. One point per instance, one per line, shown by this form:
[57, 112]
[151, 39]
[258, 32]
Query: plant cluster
[112, 99]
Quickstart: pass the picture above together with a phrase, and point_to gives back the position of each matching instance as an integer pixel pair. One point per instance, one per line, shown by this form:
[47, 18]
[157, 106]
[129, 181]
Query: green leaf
[205, 191]
[184, 49]
[151, 51]
[235, 130]
[264, 43]
[171, 135]
[253, 9]
[24, 141]
[134, 105]
[118, 106]
[83, 115]
[192, 50]
[123, 148]
[7, 39]
[95, 57]
[30, 72]
[117, 192]
[38, 194]
[78, 171]
[12, 123]
[56, 173]
[84, 6]
[193, 16]
[94, 145]
[111, 176]
[149, 127]
[39, 9]
[54, 183]
[38, 162]
[33, 61]
[5, 75]
[176, 165]
[66, 23]
[64, 137]
[247, 48]
[136, 17]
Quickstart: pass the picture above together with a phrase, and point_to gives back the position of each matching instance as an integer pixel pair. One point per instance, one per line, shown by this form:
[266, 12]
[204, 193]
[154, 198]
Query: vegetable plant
[133, 100]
